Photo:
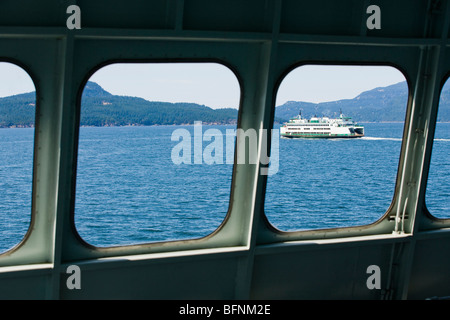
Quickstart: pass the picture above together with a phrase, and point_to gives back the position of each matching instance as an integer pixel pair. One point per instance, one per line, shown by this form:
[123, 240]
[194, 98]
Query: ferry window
[17, 115]
[344, 176]
[155, 155]
[438, 191]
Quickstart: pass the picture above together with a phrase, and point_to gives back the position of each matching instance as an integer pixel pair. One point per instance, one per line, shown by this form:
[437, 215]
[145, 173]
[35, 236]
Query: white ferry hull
[320, 136]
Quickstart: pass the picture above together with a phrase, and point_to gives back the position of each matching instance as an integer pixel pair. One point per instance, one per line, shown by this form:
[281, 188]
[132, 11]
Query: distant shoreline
[129, 125]
[183, 124]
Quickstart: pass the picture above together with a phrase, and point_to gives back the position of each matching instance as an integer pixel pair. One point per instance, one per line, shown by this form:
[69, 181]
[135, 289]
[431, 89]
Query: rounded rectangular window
[438, 190]
[155, 154]
[340, 138]
[17, 120]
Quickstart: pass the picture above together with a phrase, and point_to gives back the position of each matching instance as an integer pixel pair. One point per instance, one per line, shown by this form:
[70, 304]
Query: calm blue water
[16, 170]
[130, 191]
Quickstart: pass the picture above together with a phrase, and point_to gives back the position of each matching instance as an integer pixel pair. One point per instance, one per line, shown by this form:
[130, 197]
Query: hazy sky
[215, 85]
[211, 84]
[14, 80]
[313, 83]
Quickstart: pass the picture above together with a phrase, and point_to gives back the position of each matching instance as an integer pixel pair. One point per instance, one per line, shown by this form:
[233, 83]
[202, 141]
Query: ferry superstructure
[323, 127]
[407, 249]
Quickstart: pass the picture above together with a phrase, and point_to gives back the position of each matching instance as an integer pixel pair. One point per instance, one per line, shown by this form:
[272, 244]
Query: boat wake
[362, 138]
[381, 138]
[396, 139]
[445, 140]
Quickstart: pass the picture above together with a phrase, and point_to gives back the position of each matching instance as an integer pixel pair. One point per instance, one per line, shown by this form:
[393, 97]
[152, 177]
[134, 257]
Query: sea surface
[131, 190]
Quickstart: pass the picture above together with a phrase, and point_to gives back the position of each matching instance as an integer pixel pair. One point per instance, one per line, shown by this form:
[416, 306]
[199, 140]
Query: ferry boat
[323, 127]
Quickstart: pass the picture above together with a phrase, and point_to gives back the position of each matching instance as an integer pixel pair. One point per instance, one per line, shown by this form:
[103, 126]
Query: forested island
[101, 108]
[383, 104]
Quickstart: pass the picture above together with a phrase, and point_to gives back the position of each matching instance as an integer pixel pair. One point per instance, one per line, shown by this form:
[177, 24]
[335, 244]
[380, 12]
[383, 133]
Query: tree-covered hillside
[376, 105]
[100, 108]
[18, 110]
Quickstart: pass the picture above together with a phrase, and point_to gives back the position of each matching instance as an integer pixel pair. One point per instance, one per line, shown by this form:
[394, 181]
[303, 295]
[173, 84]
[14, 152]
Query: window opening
[438, 190]
[17, 119]
[341, 130]
[153, 164]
